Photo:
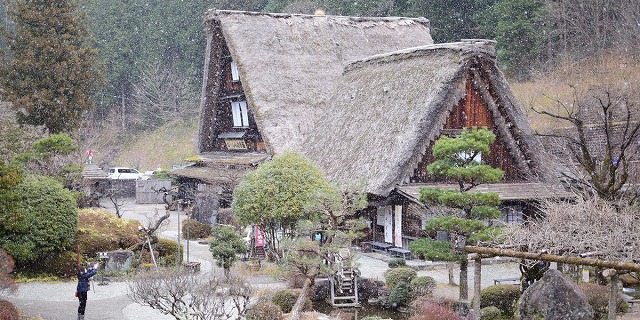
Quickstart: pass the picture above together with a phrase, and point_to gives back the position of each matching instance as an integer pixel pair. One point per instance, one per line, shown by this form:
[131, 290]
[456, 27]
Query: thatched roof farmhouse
[365, 98]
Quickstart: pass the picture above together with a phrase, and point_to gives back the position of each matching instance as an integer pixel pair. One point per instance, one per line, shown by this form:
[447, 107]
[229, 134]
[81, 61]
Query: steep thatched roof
[389, 107]
[289, 64]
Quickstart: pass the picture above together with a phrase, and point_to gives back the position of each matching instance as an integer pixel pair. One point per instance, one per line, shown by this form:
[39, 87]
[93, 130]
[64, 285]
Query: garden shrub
[8, 311]
[286, 299]
[598, 297]
[264, 310]
[100, 230]
[490, 313]
[167, 252]
[397, 262]
[399, 295]
[428, 309]
[396, 275]
[45, 222]
[196, 229]
[65, 265]
[422, 286]
[295, 280]
[502, 296]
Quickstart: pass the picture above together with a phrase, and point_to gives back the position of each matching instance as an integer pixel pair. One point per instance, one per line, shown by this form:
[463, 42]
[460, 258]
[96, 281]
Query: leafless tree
[186, 295]
[612, 230]
[601, 139]
[160, 96]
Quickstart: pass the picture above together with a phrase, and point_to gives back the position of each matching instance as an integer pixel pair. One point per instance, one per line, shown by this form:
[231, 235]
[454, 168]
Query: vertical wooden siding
[472, 112]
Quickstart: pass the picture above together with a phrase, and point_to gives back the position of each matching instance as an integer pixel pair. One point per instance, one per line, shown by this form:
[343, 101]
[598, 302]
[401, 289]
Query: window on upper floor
[240, 114]
[235, 76]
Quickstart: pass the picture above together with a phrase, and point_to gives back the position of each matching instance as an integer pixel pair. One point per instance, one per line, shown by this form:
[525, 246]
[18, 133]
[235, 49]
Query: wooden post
[613, 293]
[477, 282]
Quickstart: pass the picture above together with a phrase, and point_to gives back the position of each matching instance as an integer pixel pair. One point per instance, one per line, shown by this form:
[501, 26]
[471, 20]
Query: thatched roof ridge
[389, 107]
[289, 64]
[211, 13]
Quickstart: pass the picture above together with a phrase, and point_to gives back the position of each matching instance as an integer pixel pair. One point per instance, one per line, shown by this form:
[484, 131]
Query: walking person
[84, 275]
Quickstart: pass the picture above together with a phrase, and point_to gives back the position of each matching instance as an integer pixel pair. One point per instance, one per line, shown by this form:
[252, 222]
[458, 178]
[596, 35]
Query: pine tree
[48, 67]
[459, 161]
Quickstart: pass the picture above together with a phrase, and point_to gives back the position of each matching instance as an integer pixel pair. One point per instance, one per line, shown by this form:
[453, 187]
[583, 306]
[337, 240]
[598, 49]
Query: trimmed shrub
[490, 313]
[195, 229]
[264, 310]
[422, 286]
[399, 295]
[427, 309]
[397, 262]
[598, 297]
[502, 296]
[100, 230]
[285, 299]
[65, 265]
[8, 311]
[45, 222]
[394, 276]
[167, 251]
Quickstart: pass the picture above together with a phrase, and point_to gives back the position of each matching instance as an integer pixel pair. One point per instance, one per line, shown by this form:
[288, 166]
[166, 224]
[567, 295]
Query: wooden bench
[401, 253]
[501, 280]
[380, 246]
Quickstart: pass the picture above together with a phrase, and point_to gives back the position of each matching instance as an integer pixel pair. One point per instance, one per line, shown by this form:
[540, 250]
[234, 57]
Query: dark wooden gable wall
[470, 112]
[218, 132]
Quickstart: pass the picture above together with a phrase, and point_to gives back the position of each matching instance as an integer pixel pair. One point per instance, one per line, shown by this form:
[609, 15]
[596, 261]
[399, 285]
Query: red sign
[259, 237]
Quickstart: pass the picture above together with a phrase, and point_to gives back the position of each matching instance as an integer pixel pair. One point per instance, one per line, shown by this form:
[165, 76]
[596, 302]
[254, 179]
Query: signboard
[236, 144]
[259, 237]
[397, 233]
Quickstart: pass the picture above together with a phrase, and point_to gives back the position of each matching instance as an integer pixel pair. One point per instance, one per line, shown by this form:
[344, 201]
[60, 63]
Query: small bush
[502, 296]
[427, 309]
[397, 262]
[598, 297]
[295, 280]
[422, 286]
[490, 313]
[195, 230]
[8, 311]
[394, 276]
[167, 251]
[264, 310]
[285, 299]
[65, 265]
[100, 230]
[399, 295]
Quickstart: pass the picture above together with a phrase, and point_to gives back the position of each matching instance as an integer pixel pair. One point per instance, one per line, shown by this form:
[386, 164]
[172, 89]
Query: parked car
[120, 173]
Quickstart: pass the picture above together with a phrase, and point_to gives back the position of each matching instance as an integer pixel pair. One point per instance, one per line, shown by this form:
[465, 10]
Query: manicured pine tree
[458, 160]
[48, 68]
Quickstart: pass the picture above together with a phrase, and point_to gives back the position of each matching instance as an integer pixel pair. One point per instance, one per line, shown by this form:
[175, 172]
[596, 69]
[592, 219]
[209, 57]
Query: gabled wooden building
[268, 78]
[365, 98]
[389, 110]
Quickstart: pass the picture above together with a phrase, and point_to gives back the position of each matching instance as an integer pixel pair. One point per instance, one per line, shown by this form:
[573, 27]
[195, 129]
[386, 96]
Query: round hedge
[396, 275]
[195, 229]
[45, 223]
[285, 299]
[264, 310]
[100, 230]
[422, 286]
[502, 296]
[397, 262]
[490, 313]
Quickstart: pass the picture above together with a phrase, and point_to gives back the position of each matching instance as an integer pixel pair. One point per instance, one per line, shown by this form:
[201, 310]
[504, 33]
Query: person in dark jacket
[84, 275]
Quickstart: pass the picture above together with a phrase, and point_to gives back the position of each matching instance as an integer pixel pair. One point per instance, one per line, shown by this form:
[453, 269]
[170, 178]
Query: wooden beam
[554, 258]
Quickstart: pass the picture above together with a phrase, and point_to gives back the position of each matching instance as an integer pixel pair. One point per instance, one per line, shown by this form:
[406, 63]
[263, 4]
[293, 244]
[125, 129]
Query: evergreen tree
[459, 161]
[48, 67]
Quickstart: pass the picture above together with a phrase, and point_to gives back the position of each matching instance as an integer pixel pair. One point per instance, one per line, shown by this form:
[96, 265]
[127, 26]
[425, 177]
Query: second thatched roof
[388, 108]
